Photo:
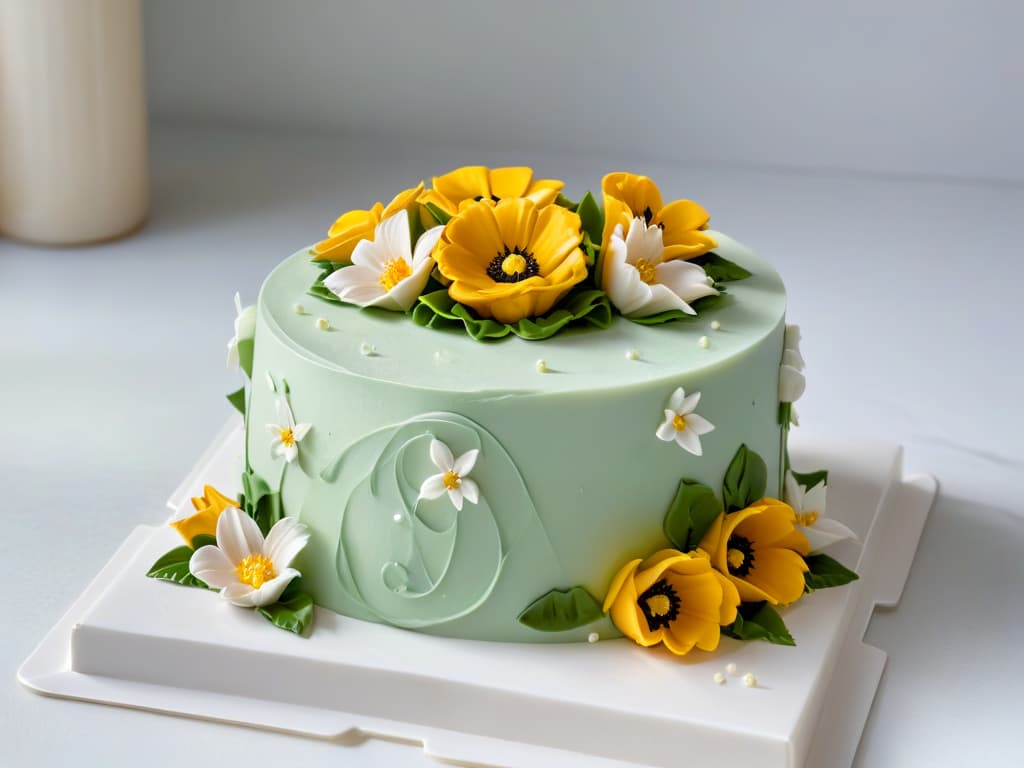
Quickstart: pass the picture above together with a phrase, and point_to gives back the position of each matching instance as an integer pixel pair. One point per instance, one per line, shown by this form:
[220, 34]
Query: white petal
[470, 490]
[686, 280]
[270, 591]
[792, 337]
[794, 418]
[275, 430]
[425, 246]
[209, 564]
[393, 233]
[238, 535]
[698, 424]
[833, 527]
[245, 323]
[644, 242]
[820, 535]
[793, 494]
[689, 404]
[238, 303]
[667, 430]
[441, 455]
[291, 452]
[405, 292]
[285, 540]
[465, 463]
[238, 593]
[688, 440]
[816, 499]
[299, 431]
[433, 487]
[233, 359]
[660, 299]
[791, 384]
[793, 358]
[355, 284]
[623, 285]
[455, 494]
[675, 403]
[278, 448]
[284, 412]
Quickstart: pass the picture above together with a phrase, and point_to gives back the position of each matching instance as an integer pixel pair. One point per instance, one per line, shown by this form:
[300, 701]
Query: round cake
[572, 474]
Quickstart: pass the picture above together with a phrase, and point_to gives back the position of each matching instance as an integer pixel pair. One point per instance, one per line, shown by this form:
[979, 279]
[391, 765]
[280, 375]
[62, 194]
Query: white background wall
[901, 87]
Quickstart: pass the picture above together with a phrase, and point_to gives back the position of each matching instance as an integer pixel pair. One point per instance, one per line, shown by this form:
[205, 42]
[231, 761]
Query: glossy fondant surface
[573, 480]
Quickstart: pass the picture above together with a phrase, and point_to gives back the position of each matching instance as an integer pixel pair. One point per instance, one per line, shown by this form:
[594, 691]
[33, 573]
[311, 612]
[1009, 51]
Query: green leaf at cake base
[559, 610]
[438, 310]
[173, 566]
[720, 269]
[699, 306]
[293, 612]
[826, 572]
[759, 621]
[745, 480]
[690, 515]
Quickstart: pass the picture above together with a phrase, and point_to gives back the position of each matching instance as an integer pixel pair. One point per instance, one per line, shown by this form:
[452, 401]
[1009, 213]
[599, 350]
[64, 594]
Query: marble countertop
[112, 364]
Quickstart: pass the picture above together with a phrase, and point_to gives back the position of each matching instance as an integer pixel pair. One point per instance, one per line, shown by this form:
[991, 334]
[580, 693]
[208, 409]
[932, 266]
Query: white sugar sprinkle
[593, 637]
[397, 517]
[298, 309]
[749, 680]
[366, 349]
[323, 323]
[715, 325]
[704, 342]
[542, 366]
[719, 678]
[632, 354]
[730, 668]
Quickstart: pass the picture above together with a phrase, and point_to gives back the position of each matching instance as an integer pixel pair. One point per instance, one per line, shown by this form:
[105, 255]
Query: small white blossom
[791, 377]
[682, 425]
[453, 478]
[287, 434]
[245, 329]
[809, 505]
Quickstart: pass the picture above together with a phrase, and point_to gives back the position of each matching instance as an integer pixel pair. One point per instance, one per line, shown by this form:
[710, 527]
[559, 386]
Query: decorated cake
[488, 411]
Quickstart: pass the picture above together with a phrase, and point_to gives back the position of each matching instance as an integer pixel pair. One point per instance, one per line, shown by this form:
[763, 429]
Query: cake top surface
[386, 346]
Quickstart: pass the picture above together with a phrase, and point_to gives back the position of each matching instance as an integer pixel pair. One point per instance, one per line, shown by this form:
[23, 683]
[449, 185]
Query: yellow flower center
[735, 558]
[679, 422]
[646, 270]
[807, 519]
[395, 271]
[513, 264]
[659, 605]
[254, 570]
[452, 480]
[287, 437]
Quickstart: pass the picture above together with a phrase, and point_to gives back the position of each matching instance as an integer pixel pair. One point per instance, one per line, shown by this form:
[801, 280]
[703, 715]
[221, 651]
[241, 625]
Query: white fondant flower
[791, 377]
[245, 328]
[453, 476]
[682, 424]
[809, 505]
[287, 433]
[385, 272]
[247, 570]
[641, 283]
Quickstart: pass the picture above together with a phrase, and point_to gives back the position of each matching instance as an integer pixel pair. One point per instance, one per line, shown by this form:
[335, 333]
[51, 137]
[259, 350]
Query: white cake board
[137, 642]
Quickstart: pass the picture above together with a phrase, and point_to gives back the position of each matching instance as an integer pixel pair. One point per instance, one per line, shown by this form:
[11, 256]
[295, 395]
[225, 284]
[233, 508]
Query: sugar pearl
[715, 325]
[749, 680]
[397, 517]
[632, 354]
[593, 637]
[366, 349]
[323, 323]
[719, 678]
[542, 366]
[298, 309]
[704, 342]
[730, 668]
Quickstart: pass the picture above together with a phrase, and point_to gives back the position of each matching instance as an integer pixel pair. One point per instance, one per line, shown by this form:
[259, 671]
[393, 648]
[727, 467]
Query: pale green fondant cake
[486, 411]
[573, 480]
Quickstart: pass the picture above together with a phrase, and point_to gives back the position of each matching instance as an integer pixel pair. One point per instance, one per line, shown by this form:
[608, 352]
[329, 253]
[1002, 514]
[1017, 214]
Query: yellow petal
[779, 573]
[682, 222]
[510, 182]
[713, 544]
[624, 574]
[436, 198]
[556, 234]
[544, 191]
[730, 600]
[771, 523]
[638, 192]
[700, 596]
[516, 218]
[466, 183]
[654, 567]
[204, 521]
[749, 593]
[403, 200]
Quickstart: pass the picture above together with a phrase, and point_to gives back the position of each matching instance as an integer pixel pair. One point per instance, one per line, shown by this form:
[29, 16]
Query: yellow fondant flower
[204, 520]
[353, 226]
[511, 259]
[673, 598]
[628, 197]
[760, 551]
[472, 183]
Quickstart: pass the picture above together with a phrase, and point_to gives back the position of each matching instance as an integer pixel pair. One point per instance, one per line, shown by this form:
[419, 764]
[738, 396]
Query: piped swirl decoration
[499, 252]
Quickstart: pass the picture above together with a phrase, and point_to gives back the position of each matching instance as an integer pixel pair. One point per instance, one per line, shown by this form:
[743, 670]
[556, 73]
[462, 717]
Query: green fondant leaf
[591, 217]
[293, 612]
[785, 413]
[759, 621]
[173, 566]
[721, 269]
[559, 610]
[321, 291]
[745, 480]
[202, 540]
[437, 310]
[439, 216]
[700, 305]
[237, 399]
[826, 572]
[691, 513]
[245, 348]
[810, 479]
[259, 502]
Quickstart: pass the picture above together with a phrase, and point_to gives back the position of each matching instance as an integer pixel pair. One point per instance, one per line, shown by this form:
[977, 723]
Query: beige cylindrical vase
[73, 165]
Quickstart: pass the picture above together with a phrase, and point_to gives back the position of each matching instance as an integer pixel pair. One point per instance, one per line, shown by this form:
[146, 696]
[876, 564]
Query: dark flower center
[493, 198]
[648, 215]
[739, 556]
[659, 605]
[512, 265]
